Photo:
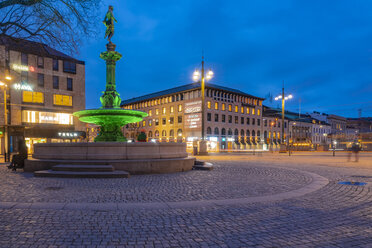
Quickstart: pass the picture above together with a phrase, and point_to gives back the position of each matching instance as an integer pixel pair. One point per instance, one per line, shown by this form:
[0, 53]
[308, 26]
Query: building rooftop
[35, 48]
[289, 115]
[185, 88]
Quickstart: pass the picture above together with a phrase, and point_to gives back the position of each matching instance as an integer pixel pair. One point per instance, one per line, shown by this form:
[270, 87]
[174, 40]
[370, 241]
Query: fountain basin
[135, 158]
[111, 120]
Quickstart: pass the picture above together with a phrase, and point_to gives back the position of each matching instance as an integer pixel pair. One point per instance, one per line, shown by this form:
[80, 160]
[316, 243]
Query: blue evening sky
[321, 49]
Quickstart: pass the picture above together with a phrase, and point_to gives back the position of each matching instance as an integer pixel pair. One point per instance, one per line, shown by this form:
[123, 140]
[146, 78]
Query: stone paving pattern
[224, 182]
[333, 216]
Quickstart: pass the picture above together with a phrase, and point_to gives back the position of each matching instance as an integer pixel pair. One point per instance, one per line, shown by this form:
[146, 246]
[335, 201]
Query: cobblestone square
[273, 200]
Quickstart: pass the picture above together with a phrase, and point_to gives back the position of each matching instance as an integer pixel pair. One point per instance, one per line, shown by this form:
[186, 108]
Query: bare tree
[60, 23]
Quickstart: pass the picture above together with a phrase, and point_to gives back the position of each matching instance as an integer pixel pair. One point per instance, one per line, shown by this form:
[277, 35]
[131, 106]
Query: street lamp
[197, 75]
[283, 98]
[3, 85]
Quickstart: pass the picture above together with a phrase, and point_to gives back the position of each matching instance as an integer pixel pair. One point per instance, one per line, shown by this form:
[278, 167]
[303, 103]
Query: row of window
[164, 133]
[243, 120]
[155, 122]
[242, 133]
[41, 78]
[68, 66]
[219, 95]
[164, 110]
[243, 110]
[38, 97]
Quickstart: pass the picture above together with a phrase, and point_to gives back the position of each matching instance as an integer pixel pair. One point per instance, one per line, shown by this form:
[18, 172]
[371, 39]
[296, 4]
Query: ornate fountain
[109, 151]
[110, 116]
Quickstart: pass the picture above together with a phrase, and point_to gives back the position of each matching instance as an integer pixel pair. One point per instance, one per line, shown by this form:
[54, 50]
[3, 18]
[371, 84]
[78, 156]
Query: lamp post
[197, 75]
[284, 98]
[6, 139]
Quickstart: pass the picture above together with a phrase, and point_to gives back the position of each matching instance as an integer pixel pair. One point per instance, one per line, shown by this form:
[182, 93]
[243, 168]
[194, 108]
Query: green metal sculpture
[109, 23]
[110, 116]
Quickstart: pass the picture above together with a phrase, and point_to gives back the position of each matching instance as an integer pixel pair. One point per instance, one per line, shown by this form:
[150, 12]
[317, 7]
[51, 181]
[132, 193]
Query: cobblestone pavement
[333, 216]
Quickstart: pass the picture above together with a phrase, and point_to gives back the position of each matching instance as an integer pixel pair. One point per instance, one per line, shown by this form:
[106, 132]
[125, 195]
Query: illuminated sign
[68, 134]
[22, 86]
[18, 67]
[193, 107]
[193, 121]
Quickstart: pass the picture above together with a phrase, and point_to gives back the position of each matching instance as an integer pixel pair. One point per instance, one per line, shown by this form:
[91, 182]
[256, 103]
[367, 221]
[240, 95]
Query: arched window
[242, 132]
[229, 132]
[236, 132]
[253, 133]
[209, 130]
[179, 132]
[156, 133]
[171, 133]
[258, 134]
[163, 133]
[150, 134]
[216, 131]
[223, 131]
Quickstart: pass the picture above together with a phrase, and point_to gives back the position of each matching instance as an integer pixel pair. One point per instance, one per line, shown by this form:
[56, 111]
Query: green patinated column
[110, 97]
[110, 128]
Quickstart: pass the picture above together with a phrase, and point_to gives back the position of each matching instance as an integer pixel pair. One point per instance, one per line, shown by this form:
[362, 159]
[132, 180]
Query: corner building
[232, 118]
[45, 88]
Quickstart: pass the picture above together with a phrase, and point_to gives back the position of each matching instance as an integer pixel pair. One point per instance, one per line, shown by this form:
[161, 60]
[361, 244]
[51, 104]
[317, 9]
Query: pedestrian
[355, 149]
[18, 160]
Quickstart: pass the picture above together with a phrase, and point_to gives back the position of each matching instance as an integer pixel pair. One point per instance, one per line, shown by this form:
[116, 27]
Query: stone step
[75, 167]
[81, 174]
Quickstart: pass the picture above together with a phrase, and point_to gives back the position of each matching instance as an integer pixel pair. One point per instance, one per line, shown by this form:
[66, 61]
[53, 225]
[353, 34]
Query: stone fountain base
[135, 158]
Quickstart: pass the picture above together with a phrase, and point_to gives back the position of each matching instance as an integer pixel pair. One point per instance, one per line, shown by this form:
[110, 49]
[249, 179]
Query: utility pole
[203, 99]
[283, 103]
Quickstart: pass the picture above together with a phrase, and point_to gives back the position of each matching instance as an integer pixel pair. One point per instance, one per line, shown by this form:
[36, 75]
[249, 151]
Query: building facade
[44, 88]
[232, 118]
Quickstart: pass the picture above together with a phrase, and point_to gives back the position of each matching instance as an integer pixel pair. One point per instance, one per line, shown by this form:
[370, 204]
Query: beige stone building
[45, 88]
[233, 119]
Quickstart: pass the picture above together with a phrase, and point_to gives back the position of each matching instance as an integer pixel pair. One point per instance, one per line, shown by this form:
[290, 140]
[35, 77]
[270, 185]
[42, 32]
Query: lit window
[242, 110]
[230, 108]
[223, 106]
[208, 104]
[29, 116]
[144, 123]
[150, 123]
[258, 112]
[62, 100]
[236, 109]
[150, 112]
[180, 108]
[34, 97]
[216, 105]
[247, 110]
[252, 111]
[171, 109]
[156, 111]
[164, 111]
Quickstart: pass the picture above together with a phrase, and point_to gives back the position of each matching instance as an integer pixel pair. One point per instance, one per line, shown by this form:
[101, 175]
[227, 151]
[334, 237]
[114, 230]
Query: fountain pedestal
[110, 116]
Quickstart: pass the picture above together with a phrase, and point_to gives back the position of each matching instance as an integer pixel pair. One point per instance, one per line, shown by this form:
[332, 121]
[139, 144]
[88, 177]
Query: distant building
[363, 124]
[233, 119]
[46, 87]
[303, 131]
